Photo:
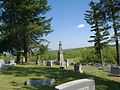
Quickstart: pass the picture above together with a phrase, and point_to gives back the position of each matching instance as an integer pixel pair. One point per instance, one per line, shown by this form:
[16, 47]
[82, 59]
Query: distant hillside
[86, 54]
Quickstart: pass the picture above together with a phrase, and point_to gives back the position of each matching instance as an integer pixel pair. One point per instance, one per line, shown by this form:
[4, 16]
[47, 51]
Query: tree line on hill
[83, 55]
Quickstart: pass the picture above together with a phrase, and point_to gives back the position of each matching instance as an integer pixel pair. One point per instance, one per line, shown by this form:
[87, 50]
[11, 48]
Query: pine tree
[25, 21]
[111, 8]
[94, 17]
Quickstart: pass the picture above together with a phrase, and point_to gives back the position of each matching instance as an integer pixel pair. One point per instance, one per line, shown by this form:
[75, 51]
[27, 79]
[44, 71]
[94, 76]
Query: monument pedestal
[115, 70]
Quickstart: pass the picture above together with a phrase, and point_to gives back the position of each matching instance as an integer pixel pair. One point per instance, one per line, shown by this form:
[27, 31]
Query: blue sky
[68, 24]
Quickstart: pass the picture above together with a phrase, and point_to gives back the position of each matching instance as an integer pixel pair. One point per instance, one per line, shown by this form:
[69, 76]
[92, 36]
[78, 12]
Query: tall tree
[111, 9]
[94, 17]
[25, 21]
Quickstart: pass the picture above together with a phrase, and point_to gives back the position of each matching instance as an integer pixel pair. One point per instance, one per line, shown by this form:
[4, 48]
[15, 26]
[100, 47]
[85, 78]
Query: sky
[68, 24]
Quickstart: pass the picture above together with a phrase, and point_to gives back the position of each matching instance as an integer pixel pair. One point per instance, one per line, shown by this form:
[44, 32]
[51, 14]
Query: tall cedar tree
[100, 38]
[23, 24]
[111, 9]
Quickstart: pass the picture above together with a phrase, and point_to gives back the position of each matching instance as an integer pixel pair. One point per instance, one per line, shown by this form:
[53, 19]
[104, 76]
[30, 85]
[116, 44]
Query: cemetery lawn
[14, 78]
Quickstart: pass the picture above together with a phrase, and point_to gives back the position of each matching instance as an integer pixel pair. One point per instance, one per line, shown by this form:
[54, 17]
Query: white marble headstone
[82, 84]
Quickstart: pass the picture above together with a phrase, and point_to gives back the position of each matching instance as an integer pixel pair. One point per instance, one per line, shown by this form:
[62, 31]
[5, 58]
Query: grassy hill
[86, 54]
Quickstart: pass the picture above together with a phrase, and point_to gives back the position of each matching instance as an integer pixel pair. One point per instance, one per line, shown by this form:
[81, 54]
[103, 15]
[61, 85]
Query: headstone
[2, 61]
[4, 66]
[50, 64]
[67, 63]
[38, 83]
[78, 68]
[107, 68]
[99, 66]
[12, 62]
[115, 70]
[82, 84]
[43, 62]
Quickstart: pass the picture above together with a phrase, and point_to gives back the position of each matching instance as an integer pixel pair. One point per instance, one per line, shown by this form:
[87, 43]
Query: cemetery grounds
[15, 77]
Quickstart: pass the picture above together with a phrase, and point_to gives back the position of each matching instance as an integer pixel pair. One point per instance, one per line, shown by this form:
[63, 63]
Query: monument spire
[60, 55]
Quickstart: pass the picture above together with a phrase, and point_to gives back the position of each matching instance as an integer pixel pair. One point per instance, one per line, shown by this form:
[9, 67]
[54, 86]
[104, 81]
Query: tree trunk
[26, 55]
[117, 43]
[18, 57]
[117, 51]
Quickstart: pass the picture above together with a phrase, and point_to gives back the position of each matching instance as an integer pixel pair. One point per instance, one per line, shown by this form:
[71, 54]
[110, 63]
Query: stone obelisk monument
[60, 55]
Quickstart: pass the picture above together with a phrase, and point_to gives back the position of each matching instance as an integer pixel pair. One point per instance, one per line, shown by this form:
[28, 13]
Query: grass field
[14, 78]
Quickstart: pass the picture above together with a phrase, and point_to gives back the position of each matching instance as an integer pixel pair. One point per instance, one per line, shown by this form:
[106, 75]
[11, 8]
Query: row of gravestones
[82, 84]
[77, 67]
[111, 69]
[5, 65]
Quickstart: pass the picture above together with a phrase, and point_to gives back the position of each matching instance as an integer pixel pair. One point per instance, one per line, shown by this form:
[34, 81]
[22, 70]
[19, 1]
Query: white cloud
[81, 26]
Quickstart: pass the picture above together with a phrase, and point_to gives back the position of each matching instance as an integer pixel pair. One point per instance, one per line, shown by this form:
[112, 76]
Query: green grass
[14, 78]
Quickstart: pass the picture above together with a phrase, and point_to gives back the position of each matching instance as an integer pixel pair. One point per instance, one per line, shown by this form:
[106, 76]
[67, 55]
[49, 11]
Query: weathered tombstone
[2, 61]
[12, 62]
[5, 66]
[107, 68]
[50, 64]
[67, 63]
[43, 62]
[115, 70]
[82, 84]
[38, 83]
[99, 66]
[78, 68]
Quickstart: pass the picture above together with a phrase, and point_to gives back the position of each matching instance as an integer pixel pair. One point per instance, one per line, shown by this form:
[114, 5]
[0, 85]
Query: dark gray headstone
[38, 83]
[99, 66]
[50, 64]
[82, 84]
[78, 68]
[115, 70]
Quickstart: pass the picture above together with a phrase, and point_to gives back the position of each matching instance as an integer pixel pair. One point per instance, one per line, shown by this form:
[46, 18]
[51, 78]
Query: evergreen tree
[24, 23]
[94, 17]
[111, 9]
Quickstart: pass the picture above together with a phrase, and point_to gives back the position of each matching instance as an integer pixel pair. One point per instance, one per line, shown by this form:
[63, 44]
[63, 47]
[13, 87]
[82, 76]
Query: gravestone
[2, 62]
[50, 64]
[38, 83]
[99, 66]
[67, 63]
[4, 66]
[43, 62]
[115, 70]
[78, 68]
[12, 62]
[107, 68]
[82, 84]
